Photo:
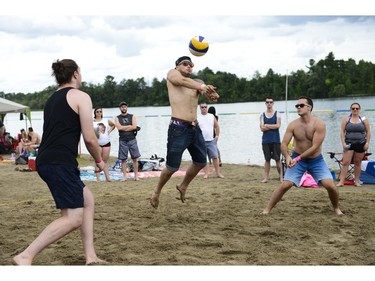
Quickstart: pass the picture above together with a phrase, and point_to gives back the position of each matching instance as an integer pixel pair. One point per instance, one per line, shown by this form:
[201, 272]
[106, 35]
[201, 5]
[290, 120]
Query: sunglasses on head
[301, 105]
[186, 63]
[269, 102]
[355, 108]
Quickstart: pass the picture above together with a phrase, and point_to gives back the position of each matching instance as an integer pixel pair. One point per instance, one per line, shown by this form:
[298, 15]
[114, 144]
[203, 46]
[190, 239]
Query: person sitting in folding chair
[355, 138]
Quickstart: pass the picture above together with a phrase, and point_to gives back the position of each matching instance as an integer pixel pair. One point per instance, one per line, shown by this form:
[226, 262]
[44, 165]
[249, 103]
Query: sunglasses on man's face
[301, 105]
[355, 108]
[269, 102]
[187, 64]
[203, 106]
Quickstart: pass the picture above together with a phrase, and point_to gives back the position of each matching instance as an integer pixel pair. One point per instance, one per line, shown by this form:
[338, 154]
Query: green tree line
[327, 78]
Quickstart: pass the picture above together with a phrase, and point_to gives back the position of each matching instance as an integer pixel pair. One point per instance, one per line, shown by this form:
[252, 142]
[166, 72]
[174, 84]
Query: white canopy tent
[7, 106]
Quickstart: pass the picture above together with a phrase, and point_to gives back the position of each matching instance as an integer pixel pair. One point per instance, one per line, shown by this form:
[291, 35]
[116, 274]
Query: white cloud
[130, 47]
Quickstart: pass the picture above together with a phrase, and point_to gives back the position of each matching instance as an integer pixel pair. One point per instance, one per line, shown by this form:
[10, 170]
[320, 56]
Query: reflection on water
[240, 138]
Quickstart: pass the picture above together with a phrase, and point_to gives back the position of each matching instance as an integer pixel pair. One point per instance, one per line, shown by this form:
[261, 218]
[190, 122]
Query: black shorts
[357, 147]
[271, 151]
[106, 145]
[65, 184]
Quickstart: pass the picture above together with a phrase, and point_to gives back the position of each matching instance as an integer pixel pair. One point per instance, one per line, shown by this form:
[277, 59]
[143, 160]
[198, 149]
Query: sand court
[220, 222]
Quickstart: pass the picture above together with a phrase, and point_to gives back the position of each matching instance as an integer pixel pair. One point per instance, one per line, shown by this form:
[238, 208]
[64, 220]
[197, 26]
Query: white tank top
[104, 137]
[206, 123]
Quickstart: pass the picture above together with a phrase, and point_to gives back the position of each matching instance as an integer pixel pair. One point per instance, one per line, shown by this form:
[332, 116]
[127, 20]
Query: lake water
[240, 138]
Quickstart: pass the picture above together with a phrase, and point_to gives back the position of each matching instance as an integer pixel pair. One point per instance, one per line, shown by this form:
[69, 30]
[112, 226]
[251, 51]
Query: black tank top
[125, 121]
[61, 131]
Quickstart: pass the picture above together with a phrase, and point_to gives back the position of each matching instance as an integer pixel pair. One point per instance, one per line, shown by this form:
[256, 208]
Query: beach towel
[88, 174]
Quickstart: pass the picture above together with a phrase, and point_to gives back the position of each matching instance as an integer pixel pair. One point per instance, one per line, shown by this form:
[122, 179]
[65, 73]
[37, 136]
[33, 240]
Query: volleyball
[198, 46]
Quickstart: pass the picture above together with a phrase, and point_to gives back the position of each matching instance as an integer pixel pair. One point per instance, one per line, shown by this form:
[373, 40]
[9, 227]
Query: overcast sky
[129, 47]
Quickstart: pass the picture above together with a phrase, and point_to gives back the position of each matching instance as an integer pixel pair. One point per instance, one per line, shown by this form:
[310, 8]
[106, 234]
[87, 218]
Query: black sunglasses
[301, 105]
[269, 102]
[203, 106]
[98, 111]
[187, 64]
[355, 108]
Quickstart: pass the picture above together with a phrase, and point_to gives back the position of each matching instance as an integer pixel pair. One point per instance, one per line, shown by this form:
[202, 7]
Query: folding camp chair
[350, 175]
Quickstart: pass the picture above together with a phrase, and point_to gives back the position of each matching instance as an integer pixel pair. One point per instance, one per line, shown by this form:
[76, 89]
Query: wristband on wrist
[298, 158]
[201, 87]
[101, 160]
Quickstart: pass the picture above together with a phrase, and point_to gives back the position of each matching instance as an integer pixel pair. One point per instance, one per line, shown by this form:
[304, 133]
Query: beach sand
[220, 222]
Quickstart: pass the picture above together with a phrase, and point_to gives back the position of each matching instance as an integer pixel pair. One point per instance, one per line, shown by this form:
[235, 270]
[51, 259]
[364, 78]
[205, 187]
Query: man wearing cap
[126, 124]
[184, 132]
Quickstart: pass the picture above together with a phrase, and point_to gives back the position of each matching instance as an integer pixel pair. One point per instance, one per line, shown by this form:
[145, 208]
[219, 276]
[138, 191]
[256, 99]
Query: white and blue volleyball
[198, 46]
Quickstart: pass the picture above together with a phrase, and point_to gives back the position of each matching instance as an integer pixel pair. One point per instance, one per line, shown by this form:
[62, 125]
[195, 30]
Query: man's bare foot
[124, 179]
[264, 180]
[357, 184]
[96, 261]
[154, 201]
[338, 212]
[19, 260]
[339, 185]
[205, 176]
[220, 176]
[182, 193]
[136, 179]
[265, 212]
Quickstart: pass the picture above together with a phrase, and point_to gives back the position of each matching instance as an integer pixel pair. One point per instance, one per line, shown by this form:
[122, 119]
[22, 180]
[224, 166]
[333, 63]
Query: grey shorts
[212, 151]
[128, 146]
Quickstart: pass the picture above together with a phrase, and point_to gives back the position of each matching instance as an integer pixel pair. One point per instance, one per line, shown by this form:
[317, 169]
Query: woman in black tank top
[355, 138]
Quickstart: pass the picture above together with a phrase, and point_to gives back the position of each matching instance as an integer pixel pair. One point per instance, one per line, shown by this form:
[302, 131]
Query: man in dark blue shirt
[270, 122]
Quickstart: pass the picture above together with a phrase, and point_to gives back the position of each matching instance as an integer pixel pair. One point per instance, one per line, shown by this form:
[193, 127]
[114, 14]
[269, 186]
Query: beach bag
[148, 166]
[308, 181]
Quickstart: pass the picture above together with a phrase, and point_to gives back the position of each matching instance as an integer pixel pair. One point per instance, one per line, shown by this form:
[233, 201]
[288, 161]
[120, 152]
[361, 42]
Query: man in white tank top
[211, 131]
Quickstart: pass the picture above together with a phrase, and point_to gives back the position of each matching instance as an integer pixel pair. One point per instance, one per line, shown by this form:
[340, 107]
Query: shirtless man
[184, 131]
[308, 132]
[34, 142]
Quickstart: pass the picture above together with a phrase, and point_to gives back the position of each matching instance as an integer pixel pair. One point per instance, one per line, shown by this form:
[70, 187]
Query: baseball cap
[122, 103]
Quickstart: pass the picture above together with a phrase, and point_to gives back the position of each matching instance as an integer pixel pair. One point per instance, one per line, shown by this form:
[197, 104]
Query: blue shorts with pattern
[314, 166]
[180, 138]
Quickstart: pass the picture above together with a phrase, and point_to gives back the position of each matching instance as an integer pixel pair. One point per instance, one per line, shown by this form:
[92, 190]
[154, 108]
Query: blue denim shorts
[181, 138]
[315, 166]
[65, 184]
